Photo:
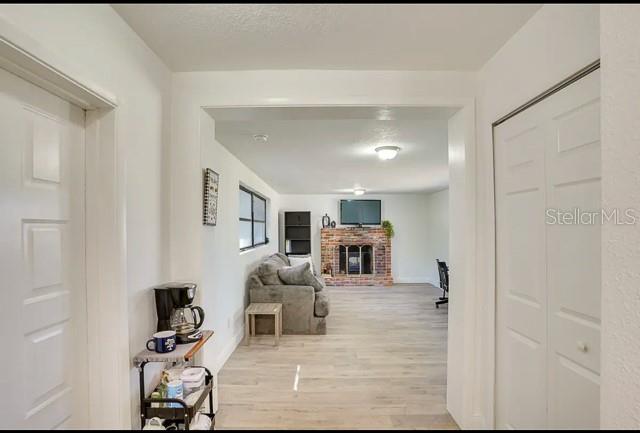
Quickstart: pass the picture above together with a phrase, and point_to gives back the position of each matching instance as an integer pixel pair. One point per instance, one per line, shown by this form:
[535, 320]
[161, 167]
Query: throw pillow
[298, 260]
[282, 257]
[268, 271]
[300, 275]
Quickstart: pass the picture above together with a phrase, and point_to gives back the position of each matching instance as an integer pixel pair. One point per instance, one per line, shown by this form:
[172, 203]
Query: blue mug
[163, 342]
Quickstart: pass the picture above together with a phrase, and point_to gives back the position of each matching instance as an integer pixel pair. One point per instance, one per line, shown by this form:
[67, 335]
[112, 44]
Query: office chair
[443, 272]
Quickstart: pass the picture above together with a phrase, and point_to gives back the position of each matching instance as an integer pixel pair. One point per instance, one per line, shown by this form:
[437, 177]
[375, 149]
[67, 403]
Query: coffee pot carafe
[186, 320]
[175, 312]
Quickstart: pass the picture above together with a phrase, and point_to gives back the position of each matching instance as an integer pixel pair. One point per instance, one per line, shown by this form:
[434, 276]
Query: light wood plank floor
[382, 365]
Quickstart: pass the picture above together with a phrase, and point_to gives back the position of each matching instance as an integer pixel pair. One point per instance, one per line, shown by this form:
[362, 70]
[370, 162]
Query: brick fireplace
[356, 256]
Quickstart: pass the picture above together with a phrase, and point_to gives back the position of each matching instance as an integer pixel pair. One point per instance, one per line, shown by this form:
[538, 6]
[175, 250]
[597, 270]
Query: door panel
[574, 257]
[578, 387]
[42, 258]
[521, 301]
[574, 267]
[547, 158]
[525, 382]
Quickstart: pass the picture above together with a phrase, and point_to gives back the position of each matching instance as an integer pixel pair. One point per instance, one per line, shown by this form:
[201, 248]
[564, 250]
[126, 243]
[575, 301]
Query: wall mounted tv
[365, 212]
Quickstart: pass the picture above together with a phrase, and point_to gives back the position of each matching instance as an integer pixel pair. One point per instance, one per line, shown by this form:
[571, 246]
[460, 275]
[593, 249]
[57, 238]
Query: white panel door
[521, 310]
[548, 275]
[43, 321]
[573, 183]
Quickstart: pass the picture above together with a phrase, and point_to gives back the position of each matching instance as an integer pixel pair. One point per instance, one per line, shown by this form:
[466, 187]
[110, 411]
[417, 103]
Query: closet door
[573, 256]
[521, 310]
[547, 162]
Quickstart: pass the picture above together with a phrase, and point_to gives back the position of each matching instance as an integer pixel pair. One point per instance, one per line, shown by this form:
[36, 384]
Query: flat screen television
[365, 212]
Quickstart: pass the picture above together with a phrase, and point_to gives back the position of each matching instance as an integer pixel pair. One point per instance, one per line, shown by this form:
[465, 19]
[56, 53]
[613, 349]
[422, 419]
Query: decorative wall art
[210, 205]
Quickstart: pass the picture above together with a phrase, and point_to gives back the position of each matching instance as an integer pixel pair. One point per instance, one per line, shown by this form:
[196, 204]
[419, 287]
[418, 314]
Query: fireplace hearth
[356, 256]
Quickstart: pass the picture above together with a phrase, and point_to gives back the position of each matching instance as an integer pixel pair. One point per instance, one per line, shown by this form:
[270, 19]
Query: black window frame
[253, 220]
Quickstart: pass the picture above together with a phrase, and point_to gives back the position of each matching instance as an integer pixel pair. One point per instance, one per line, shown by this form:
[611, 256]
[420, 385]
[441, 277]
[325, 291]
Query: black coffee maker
[175, 312]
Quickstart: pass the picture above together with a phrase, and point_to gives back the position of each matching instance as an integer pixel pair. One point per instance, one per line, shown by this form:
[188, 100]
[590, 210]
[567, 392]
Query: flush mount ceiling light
[358, 191]
[387, 152]
[260, 138]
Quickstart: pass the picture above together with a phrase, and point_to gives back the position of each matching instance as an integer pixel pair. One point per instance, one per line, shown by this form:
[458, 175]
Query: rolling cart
[182, 412]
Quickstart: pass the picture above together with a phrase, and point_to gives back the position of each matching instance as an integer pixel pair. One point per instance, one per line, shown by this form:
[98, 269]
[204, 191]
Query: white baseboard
[411, 280]
[221, 360]
[228, 350]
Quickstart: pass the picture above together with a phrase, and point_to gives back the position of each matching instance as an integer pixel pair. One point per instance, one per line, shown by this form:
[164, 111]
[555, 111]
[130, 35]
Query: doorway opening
[309, 159]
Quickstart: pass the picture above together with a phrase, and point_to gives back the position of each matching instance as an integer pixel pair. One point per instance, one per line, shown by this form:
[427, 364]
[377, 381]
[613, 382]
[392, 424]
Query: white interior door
[573, 257]
[42, 245]
[547, 161]
[521, 309]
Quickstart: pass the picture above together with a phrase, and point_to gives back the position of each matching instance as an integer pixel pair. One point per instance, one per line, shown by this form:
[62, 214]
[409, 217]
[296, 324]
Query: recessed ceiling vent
[260, 138]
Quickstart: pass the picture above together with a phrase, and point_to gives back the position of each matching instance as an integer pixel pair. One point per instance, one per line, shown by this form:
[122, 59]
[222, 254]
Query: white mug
[154, 423]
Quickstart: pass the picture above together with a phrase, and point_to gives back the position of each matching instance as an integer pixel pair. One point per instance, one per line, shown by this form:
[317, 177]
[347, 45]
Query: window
[253, 219]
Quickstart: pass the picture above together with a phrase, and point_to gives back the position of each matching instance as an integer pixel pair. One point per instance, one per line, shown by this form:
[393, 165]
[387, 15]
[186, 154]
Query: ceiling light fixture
[359, 191]
[260, 138]
[387, 152]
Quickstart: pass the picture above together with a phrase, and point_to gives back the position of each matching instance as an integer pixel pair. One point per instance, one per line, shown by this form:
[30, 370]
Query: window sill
[254, 248]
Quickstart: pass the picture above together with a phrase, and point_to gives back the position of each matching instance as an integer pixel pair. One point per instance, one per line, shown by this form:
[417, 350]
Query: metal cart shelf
[184, 412]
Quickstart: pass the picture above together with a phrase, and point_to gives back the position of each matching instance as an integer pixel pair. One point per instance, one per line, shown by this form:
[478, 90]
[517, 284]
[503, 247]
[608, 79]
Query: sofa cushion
[321, 305]
[268, 270]
[300, 275]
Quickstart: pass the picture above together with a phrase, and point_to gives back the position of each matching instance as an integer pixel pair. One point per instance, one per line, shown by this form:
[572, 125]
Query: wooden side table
[267, 309]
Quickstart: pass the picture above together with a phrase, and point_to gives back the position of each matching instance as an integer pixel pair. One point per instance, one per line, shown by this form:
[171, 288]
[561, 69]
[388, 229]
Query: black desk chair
[443, 272]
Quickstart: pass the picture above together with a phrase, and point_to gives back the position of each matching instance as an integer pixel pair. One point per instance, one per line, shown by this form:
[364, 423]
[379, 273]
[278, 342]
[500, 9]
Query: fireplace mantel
[331, 239]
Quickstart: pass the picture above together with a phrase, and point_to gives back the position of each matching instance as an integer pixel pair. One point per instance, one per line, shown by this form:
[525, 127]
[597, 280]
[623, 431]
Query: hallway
[382, 364]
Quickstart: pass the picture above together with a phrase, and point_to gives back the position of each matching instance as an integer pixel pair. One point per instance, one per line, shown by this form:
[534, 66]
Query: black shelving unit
[297, 232]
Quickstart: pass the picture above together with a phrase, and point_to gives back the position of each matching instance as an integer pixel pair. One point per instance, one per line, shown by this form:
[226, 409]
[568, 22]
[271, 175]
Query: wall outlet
[228, 322]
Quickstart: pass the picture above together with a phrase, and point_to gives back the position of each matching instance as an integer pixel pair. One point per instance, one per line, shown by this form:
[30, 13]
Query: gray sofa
[304, 309]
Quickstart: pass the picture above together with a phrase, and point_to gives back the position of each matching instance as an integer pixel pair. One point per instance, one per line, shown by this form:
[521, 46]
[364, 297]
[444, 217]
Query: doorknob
[582, 347]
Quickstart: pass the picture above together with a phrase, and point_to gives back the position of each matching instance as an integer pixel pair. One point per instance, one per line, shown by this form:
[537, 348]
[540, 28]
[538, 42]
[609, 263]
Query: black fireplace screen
[356, 259]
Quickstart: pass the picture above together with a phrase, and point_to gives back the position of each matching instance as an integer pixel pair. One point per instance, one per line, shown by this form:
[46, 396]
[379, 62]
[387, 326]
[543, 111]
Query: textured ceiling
[197, 37]
[331, 149]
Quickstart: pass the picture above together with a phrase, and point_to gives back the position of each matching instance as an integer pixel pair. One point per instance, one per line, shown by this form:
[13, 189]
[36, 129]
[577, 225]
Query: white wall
[556, 42]
[437, 246]
[620, 386]
[108, 54]
[222, 292]
[412, 247]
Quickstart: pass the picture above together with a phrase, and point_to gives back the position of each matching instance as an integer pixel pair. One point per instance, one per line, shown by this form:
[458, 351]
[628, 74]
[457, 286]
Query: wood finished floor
[382, 365]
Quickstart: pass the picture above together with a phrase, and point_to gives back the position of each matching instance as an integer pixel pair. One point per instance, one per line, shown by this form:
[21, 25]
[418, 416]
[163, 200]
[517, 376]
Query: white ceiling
[198, 37]
[331, 150]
